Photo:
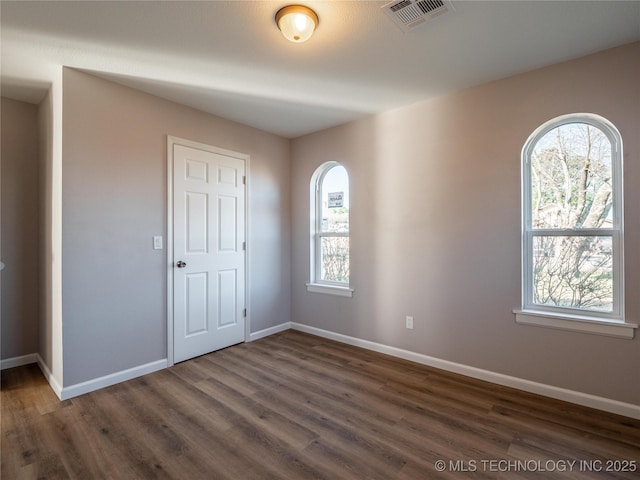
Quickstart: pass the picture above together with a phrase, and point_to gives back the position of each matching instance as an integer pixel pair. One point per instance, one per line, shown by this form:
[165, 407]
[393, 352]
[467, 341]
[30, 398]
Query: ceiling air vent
[409, 14]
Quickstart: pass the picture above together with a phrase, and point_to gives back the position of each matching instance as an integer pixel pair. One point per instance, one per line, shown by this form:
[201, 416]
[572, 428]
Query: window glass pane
[335, 259]
[335, 200]
[573, 272]
[571, 184]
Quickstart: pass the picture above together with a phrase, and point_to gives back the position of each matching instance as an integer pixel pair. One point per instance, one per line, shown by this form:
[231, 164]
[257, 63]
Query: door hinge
[244, 312]
[244, 179]
[244, 245]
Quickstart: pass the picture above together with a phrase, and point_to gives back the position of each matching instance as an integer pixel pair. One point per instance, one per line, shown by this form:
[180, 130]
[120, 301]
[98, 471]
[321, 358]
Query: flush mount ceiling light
[296, 22]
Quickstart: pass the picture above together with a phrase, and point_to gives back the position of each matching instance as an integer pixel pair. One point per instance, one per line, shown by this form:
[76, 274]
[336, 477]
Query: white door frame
[171, 141]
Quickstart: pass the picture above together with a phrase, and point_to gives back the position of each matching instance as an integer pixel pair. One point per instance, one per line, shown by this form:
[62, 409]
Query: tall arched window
[572, 251]
[329, 196]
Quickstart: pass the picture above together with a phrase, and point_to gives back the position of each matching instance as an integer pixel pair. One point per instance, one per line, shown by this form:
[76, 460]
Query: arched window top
[573, 172]
[333, 185]
[601, 123]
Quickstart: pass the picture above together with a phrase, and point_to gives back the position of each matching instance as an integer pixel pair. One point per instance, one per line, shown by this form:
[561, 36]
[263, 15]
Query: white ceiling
[228, 57]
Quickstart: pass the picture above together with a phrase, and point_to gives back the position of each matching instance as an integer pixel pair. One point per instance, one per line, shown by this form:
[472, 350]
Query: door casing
[171, 141]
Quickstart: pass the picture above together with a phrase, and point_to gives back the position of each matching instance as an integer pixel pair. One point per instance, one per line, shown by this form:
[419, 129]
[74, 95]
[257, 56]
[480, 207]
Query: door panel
[228, 229]
[196, 286]
[227, 314]
[196, 215]
[208, 229]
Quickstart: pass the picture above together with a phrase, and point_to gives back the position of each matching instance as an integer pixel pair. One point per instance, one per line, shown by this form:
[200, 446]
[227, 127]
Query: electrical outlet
[409, 322]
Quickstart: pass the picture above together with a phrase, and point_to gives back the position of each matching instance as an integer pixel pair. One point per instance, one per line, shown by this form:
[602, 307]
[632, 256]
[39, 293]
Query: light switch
[157, 242]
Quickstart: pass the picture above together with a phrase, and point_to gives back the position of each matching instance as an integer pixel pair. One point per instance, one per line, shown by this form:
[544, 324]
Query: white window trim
[315, 285]
[610, 324]
[330, 289]
[576, 323]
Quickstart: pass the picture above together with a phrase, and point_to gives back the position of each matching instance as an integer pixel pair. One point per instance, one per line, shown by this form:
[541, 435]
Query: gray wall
[435, 225]
[19, 217]
[114, 196]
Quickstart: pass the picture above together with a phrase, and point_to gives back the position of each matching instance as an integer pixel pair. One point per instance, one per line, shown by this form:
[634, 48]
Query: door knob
[181, 264]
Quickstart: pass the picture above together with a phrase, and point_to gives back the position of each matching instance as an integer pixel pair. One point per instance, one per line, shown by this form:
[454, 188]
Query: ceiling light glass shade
[296, 22]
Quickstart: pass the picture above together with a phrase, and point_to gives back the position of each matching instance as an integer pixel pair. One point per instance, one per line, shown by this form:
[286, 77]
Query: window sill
[576, 323]
[330, 289]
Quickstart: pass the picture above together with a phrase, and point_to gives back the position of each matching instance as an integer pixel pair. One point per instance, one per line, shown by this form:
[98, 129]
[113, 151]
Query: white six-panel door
[208, 251]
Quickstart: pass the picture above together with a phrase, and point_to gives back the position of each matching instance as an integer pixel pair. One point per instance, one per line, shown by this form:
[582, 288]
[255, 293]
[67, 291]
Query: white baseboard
[111, 379]
[579, 398]
[18, 361]
[53, 381]
[269, 331]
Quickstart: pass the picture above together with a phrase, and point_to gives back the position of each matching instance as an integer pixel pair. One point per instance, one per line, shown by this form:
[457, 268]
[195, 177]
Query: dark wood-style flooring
[296, 406]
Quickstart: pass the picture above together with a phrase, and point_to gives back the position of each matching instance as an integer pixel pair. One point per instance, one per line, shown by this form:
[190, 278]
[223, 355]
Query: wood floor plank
[115, 431]
[557, 436]
[194, 438]
[295, 406]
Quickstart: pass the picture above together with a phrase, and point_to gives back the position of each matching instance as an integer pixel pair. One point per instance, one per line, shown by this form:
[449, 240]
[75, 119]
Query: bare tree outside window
[335, 259]
[571, 218]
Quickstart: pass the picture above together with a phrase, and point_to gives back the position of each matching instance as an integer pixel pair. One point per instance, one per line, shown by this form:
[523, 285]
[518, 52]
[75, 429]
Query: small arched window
[329, 196]
[572, 202]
